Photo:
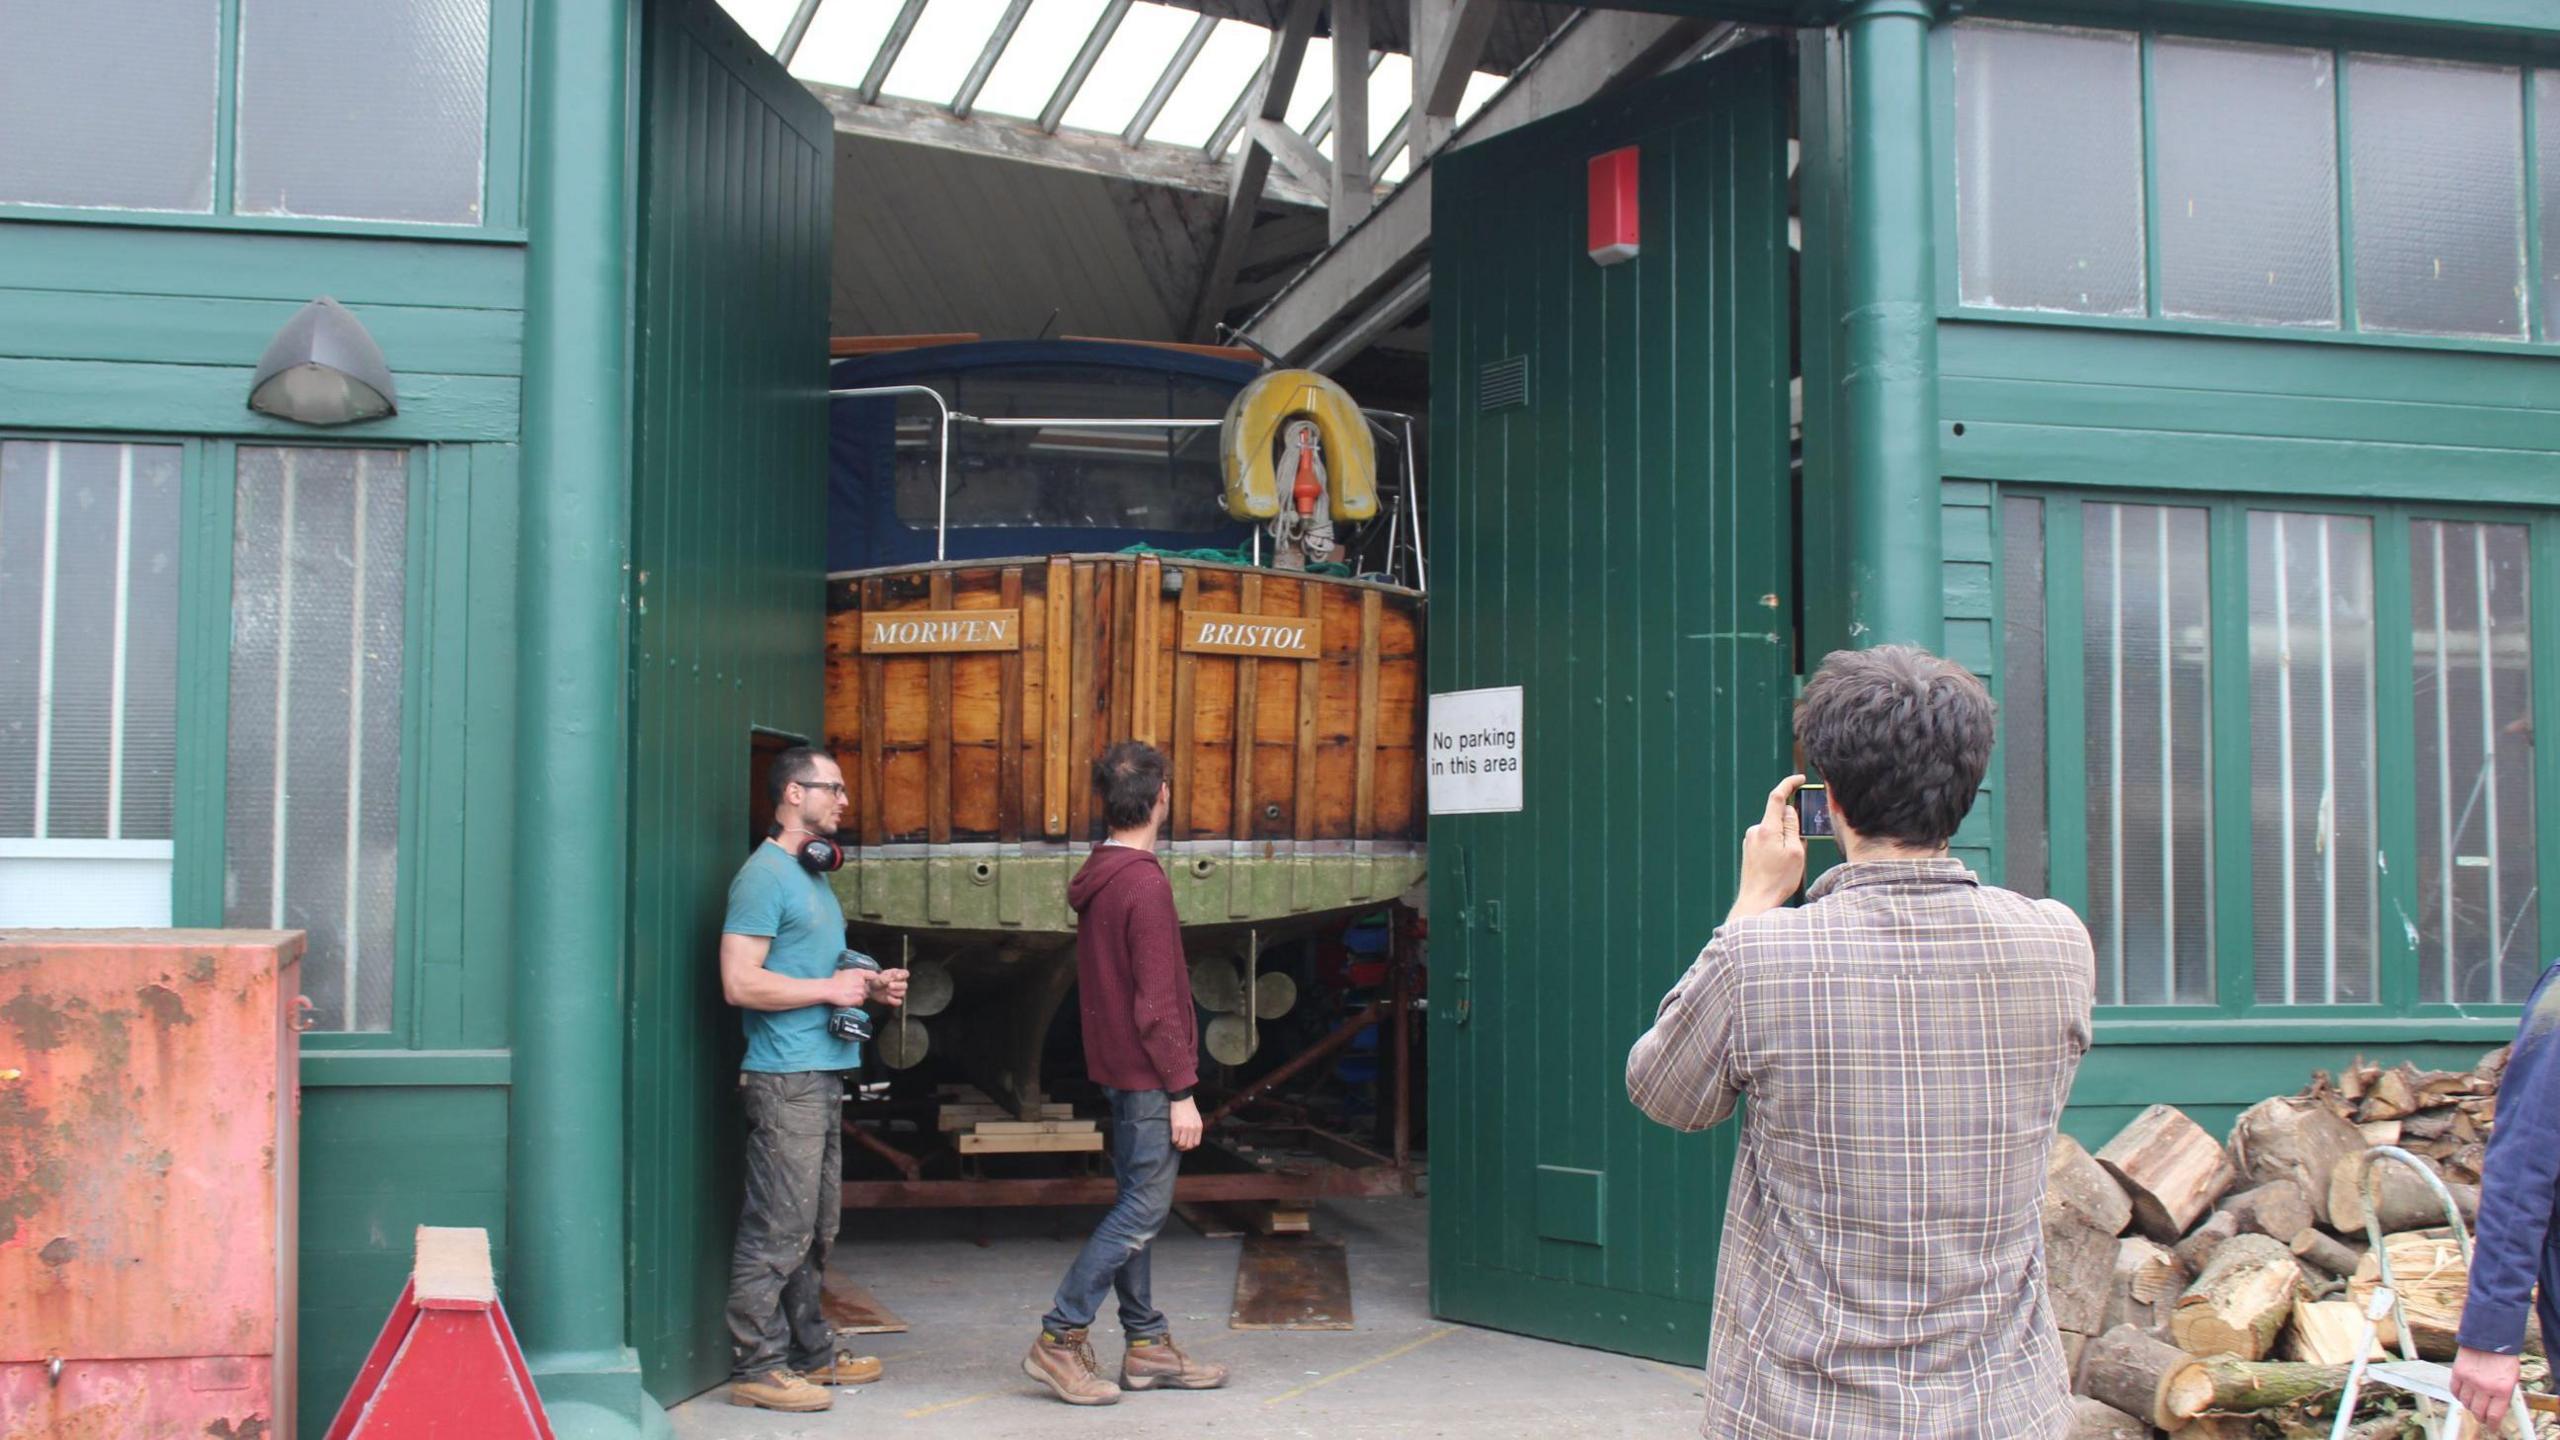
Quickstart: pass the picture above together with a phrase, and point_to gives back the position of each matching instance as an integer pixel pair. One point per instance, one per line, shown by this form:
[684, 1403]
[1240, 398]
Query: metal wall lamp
[323, 369]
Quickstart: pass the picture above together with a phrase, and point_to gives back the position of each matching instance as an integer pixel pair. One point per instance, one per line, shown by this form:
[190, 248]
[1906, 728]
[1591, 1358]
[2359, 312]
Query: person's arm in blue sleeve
[2518, 1183]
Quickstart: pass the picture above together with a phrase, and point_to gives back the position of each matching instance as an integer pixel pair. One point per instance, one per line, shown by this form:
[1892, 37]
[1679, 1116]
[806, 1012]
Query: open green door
[1611, 532]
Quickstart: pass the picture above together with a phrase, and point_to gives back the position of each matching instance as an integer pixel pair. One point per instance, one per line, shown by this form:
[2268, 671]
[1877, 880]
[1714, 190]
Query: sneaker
[1065, 1364]
[845, 1369]
[779, 1390]
[1159, 1361]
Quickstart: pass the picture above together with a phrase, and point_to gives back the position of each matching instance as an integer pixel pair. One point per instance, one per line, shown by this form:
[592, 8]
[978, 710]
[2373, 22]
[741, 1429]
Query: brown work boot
[1064, 1363]
[1159, 1361]
[846, 1368]
[779, 1390]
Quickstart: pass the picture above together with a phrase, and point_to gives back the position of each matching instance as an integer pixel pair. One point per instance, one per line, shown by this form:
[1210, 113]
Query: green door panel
[1617, 542]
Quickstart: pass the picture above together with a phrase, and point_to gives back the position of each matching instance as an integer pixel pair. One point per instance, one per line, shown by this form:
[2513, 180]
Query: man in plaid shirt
[1906, 1038]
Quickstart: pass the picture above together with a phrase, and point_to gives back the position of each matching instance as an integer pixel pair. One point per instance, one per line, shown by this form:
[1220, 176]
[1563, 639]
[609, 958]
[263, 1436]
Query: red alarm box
[1613, 206]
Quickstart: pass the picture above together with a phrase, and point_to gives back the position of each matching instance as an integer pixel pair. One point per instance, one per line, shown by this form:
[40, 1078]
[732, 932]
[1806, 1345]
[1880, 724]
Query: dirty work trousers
[1144, 1163]
[795, 1170]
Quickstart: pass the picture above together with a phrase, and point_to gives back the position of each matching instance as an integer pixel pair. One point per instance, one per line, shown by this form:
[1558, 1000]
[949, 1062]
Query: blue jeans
[1144, 1163]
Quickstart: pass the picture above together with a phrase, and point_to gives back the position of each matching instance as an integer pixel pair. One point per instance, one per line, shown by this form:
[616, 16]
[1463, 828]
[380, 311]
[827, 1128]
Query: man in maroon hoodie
[1140, 1047]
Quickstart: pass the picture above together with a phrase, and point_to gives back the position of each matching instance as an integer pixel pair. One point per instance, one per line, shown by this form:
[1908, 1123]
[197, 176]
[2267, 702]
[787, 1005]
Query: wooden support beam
[1352, 61]
[1448, 40]
[1293, 152]
[1252, 167]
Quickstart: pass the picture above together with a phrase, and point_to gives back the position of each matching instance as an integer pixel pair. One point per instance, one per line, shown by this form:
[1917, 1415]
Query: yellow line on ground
[1685, 1375]
[1347, 1372]
[922, 1411]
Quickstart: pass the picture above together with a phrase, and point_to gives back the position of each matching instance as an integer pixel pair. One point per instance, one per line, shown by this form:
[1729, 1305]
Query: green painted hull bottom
[1001, 896]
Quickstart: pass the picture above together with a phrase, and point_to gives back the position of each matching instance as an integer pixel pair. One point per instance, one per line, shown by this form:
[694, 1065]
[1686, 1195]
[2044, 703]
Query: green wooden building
[2187, 369]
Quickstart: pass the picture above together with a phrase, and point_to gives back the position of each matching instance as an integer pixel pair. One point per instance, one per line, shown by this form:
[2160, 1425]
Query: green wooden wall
[1617, 546]
[728, 557]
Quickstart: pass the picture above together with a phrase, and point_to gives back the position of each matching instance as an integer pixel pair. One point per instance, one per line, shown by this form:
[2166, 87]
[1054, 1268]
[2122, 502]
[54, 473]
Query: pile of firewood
[2211, 1288]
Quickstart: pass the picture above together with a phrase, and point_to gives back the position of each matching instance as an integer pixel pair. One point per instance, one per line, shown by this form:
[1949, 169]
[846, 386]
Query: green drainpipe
[564, 1284]
[1889, 360]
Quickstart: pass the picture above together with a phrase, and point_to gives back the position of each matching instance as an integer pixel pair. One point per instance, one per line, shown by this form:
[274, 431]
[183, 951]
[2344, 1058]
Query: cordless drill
[849, 1022]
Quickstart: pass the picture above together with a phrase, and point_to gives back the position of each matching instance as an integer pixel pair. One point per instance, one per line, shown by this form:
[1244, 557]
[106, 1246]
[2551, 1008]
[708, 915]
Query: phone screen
[1813, 812]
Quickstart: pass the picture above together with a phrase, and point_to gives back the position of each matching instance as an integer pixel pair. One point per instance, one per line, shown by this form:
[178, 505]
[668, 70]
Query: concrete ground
[972, 1285]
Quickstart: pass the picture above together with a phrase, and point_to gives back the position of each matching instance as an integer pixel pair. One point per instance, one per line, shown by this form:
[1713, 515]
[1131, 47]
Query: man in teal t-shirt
[778, 952]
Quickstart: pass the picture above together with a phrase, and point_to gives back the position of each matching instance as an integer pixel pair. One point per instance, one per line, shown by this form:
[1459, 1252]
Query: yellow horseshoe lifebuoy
[1252, 432]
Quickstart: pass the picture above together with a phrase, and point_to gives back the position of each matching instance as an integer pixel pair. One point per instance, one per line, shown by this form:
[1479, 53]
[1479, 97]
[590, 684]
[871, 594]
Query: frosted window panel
[363, 109]
[109, 103]
[2147, 652]
[2439, 196]
[2246, 146]
[88, 656]
[2311, 720]
[2049, 169]
[319, 541]
[2546, 113]
[2473, 674]
[2027, 846]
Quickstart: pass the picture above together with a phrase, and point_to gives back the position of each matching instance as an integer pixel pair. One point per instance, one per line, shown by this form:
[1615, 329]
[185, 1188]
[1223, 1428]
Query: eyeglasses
[835, 785]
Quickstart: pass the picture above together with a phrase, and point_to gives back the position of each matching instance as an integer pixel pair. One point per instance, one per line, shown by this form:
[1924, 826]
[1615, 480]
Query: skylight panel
[1052, 32]
[841, 40]
[1227, 64]
[763, 20]
[1144, 44]
[1315, 84]
[945, 44]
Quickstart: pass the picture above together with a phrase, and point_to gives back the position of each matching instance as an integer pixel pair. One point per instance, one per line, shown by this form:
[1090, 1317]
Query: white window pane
[2313, 865]
[85, 884]
[1051, 35]
[2546, 115]
[1390, 95]
[1315, 84]
[319, 550]
[765, 20]
[2473, 655]
[2146, 639]
[2439, 196]
[88, 656]
[944, 44]
[363, 109]
[842, 40]
[1146, 42]
[2025, 837]
[1227, 64]
[2247, 155]
[2049, 168]
[108, 103]
[1482, 85]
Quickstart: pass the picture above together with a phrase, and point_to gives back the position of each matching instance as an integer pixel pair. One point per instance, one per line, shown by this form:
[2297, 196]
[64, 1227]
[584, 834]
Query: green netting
[1238, 556]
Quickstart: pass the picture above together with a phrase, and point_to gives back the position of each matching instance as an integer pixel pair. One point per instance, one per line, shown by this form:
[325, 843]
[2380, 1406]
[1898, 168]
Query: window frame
[502, 152]
[208, 476]
[2236, 768]
[2541, 330]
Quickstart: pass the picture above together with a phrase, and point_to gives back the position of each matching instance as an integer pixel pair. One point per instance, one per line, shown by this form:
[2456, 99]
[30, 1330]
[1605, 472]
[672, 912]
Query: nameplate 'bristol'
[1288, 637]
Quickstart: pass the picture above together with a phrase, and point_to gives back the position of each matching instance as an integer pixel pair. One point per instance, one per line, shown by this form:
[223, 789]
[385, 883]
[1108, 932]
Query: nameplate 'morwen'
[923, 632]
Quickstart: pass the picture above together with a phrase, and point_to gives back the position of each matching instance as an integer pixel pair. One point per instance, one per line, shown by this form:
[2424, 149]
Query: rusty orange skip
[148, 1115]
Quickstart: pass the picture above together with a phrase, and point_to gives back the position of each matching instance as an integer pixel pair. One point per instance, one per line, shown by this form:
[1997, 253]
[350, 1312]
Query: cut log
[2493, 1068]
[2431, 1279]
[2171, 1169]
[2326, 1252]
[2079, 1268]
[2403, 1201]
[2289, 1138]
[2463, 1165]
[2358, 1078]
[2076, 1182]
[2428, 1125]
[2197, 1249]
[2380, 1132]
[2074, 1345]
[2268, 1384]
[2278, 1210]
[2240, 1301]
[2097, 1420]
[2325, 1332]
[2140, 1376]
[2145, 1285]
[2394, 1095]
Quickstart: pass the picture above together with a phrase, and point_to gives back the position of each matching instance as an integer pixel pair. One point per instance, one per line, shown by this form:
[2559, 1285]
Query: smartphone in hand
[1813, 813]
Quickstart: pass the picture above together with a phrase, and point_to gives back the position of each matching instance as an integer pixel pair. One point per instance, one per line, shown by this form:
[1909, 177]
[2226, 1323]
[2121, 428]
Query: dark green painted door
[1610, 531]
[728, 578]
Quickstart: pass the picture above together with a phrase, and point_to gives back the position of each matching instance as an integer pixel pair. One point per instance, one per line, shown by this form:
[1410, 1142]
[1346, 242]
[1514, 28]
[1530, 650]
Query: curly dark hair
[1901, 736]
[1126, 779]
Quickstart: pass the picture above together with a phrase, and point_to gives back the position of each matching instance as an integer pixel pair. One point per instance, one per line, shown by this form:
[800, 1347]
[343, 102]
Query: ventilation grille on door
[1503, 383]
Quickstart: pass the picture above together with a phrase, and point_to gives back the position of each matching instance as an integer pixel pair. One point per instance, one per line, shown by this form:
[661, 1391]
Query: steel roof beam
[796, 31]
[1082, 66]
[1174, 70]
[985, 64]
[885, 59]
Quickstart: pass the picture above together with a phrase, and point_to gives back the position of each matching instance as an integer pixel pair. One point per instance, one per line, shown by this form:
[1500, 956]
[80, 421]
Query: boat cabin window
[1066, 475]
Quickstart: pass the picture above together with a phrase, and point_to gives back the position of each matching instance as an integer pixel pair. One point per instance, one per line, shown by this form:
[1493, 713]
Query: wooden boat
[967, 699]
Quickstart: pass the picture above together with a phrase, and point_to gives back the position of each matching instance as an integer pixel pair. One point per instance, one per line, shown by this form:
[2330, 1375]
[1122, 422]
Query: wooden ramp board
[957, 1116]
[1089, 1141]
[853, 1310]
[1212, 1221]
[1292, 1282]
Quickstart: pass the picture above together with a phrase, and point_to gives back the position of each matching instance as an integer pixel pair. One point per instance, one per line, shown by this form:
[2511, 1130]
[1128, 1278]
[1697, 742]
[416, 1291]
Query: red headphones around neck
[821, 856]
